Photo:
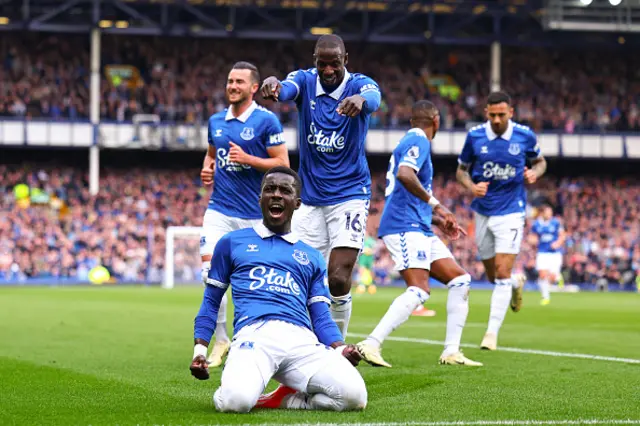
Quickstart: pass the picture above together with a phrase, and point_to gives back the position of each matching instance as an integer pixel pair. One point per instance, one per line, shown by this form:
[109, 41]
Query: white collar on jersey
[418, 132]
[244, 116]
[339, 90]
[506, 135]
[264, 232]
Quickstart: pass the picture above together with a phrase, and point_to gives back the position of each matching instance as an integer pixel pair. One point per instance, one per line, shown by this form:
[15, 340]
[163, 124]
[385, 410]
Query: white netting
[182, 262]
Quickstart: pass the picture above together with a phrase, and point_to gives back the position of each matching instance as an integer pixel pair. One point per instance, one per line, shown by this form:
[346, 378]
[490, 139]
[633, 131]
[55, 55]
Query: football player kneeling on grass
[283, 327]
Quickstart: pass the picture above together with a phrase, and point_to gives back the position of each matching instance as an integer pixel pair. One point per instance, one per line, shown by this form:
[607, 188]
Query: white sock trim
[460, 281]
[422, 295]
[505, 281]
[340, 303]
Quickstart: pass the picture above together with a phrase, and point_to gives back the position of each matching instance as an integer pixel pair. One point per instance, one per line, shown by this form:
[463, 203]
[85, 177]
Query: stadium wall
[189, 137]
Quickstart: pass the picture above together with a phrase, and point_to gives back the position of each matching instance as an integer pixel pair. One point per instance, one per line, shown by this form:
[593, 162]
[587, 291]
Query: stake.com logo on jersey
[274, 281]
[324, 142]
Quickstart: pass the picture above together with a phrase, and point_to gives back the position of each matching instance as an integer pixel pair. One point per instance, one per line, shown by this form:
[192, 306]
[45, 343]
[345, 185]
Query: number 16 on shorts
[351, 218]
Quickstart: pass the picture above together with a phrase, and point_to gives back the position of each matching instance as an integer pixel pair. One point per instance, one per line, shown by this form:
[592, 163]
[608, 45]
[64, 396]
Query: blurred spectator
[64, 232]
[47, 76]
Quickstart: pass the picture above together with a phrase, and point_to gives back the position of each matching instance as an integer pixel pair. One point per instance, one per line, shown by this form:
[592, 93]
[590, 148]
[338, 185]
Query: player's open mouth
[276, 210]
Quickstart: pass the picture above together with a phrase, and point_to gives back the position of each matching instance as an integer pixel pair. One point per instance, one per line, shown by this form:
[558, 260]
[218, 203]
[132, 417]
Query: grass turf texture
[121, 355]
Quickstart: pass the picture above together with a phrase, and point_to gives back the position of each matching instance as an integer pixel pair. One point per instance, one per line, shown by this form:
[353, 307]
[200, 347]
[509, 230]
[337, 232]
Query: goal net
[182, 262]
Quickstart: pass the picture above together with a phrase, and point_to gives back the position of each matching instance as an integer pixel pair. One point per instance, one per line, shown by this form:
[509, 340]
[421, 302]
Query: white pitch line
[480, 423]
[516, 350]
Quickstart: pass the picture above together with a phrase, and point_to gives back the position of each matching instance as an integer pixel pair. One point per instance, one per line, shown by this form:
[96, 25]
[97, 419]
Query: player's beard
[240, 98]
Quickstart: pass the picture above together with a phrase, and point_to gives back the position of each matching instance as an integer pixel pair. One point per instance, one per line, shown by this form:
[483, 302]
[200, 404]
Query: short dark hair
[287, 171]
[331, 41]
[242, 65]
[424, 108]
[498, 97]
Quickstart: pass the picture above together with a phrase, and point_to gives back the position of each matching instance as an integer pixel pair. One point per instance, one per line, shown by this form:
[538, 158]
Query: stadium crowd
[47, 76]
[60, 231]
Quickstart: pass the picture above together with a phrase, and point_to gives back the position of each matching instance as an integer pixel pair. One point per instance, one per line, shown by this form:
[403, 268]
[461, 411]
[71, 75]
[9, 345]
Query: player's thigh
[444, 267]
[214, 226]
[337, 385]
[548, 264]
[508, 231]
[347, 224]
[409, 250]
[245, 375]
[316, 369]
[309, 223]
[411, 253]
[304, 356]
[484, 237]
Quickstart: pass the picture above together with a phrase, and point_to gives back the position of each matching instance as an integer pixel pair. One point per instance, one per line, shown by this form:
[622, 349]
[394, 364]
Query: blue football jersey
[236, 187]
[403, 211]
[272, 277]
[333, 163]
[499, 160]
[548, 232]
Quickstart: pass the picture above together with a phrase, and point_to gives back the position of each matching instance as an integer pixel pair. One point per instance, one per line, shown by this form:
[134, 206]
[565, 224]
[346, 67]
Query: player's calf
[341, 263]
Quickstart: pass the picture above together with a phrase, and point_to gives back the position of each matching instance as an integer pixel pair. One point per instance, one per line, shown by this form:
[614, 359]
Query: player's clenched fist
[530, 176]
[199, 368]
[351, 353]
[237, 154]
[480, 189]
[206, 176]
[351, 106]
[271, 88]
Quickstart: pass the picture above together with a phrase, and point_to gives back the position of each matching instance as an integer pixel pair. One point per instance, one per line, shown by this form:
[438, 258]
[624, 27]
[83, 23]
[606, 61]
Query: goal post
[182, 246]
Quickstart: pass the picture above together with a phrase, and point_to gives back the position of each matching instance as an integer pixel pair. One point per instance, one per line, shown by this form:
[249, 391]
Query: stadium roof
[383, 21]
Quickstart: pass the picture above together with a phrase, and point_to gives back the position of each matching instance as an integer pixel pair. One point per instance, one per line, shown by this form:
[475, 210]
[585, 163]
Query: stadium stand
[46, 76]
[60, 231]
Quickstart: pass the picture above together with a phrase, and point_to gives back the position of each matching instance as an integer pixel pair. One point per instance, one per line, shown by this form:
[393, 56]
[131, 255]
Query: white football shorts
[551, 262]
[283, 351]
[327, 227]
[415, 250]
[215, 225]
[499, 234]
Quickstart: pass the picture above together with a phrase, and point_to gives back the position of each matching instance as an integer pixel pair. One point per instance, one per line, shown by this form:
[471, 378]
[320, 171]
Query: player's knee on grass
[354, 395]
[235, 398]
[338, 387]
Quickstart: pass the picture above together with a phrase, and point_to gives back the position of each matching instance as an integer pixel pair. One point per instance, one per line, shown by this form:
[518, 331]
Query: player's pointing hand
[271, 88]
[450, 222]
[237, 154]
[351, 106]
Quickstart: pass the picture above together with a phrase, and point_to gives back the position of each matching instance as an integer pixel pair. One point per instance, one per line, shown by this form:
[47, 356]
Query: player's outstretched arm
[204, 326]
[367, 101]
[276, 90]
[409, 179]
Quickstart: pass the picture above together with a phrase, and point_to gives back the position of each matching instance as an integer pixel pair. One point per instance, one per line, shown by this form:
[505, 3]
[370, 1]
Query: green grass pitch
[120, 355]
